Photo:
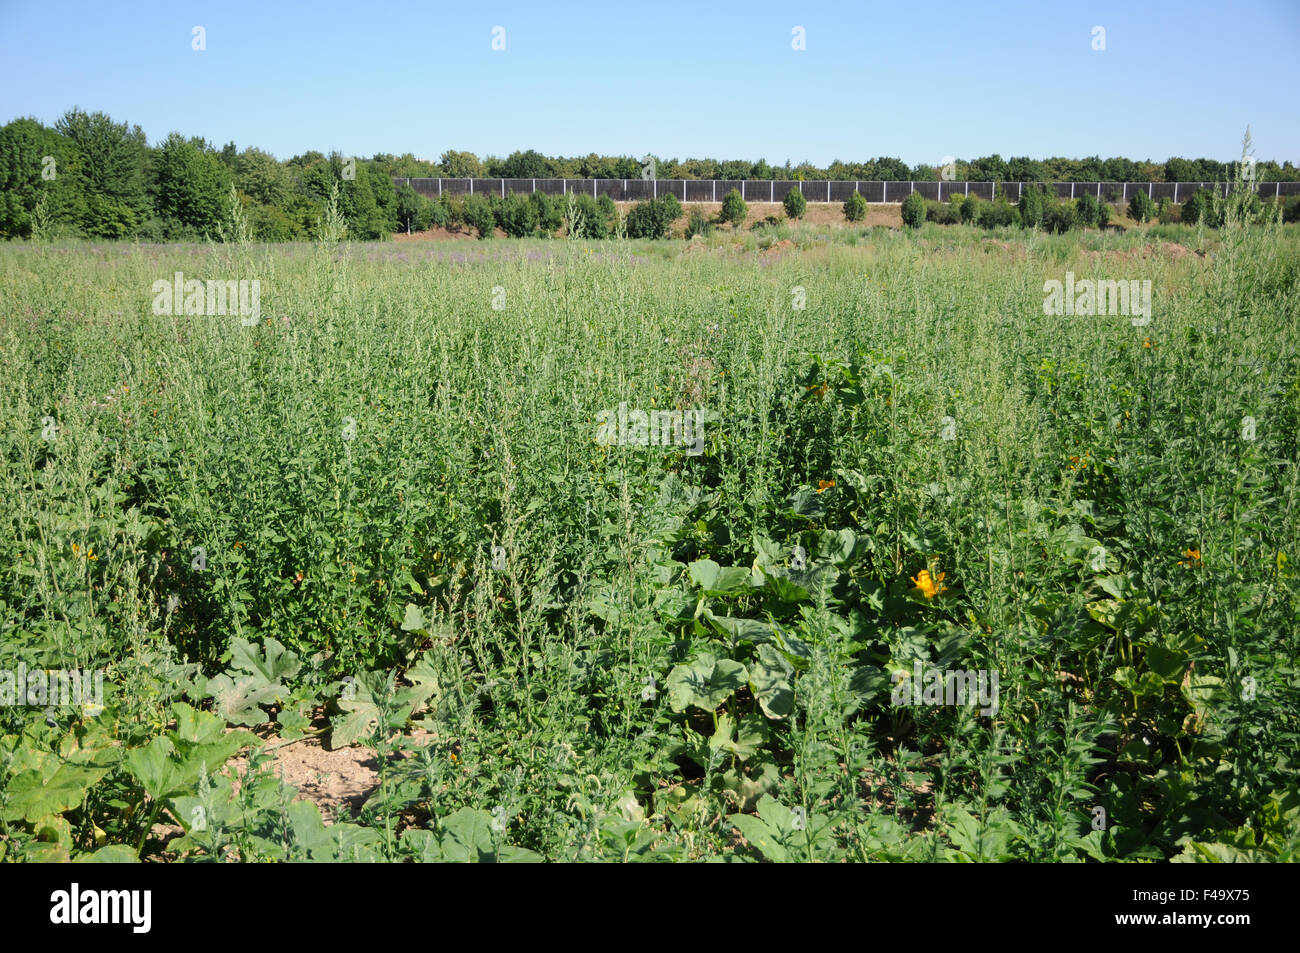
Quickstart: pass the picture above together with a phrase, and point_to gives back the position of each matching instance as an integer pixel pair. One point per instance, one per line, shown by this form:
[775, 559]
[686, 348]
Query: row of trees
[531, 164]
[522, 216]
[1040, 208]
[90, 176]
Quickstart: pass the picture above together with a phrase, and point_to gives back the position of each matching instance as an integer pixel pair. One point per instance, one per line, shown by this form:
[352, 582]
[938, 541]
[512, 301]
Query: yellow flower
[929, 587]
[823, 485]
[1146, 343]
[76, 550]
[90, 554]
[1193, 558]
[818, 390]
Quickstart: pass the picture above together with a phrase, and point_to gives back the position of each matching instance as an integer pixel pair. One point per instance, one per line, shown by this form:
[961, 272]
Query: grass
[600, 686]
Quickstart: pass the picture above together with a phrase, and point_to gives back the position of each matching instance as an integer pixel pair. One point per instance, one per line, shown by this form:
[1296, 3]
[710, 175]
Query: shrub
[1088, 210]
[518, 216]
[652, 218]
[437, 213]
[855, 207]
[672, 209]
[1291, 210]
[998, 214]
[1103, 215]
[1033, 206]
[795, 204]
[1168, 212]
[412, 214]
[698, 224]
[942, 213]
[478, 215]
[550, 212]
[970, 209]
[734, 208]
[593, 220]
[1059, 217]
[1141, 208]
[914, 210]
[455, 209]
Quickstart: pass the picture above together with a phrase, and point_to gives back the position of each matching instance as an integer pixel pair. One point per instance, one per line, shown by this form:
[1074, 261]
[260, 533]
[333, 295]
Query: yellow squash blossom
[929, 587]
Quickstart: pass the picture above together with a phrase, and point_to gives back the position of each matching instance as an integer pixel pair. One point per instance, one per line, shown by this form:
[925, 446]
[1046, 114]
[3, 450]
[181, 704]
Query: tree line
[89, 175]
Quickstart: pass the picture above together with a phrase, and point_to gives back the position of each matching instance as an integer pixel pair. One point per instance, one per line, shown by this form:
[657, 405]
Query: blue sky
[919, 81]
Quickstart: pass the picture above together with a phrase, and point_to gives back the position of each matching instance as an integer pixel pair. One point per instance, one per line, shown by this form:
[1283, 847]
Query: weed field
[832, 548]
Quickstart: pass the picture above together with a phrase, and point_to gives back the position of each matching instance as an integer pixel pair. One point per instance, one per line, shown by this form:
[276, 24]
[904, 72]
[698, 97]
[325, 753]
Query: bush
[1168, 212]
[795, 204]
[855, 207]
[1141, 208]
[734, 208]
[1103, 215]
[970, 209]
[672, 209]
[942, 213]
[437, 213]
[653, 218]
[998, 214]
[477, 214]
[1088, 210]
[593, 219]
[518, 216]
[1059, 217]
[698, 224]
[1291, 210]
[1033, 206]
[550, 212]
[914, 210]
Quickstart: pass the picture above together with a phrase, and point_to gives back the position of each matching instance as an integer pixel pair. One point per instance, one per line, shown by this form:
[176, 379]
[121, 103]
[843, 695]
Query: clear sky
[915, 80]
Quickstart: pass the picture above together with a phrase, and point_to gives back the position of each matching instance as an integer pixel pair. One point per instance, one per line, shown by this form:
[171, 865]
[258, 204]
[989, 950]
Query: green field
[382, 516]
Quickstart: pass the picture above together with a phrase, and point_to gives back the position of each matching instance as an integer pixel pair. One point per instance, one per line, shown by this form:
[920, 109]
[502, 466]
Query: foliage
[795, 204]
[734, 209]
[855, 207]
[914, 210]
[1141, 208]
[559, 648]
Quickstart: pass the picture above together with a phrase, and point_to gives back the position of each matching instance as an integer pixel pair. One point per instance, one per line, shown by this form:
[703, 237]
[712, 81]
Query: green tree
[460, 165]
[795, 204]
[261, 177]
[26, 177]
[111, 163]
[734, 209]
[914, 210]
[521, 165]
[191, 184]
[855, 207]
[1140, 207]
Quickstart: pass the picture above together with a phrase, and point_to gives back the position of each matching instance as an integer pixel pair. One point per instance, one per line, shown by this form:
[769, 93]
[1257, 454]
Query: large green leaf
[52, 789]
[272, 663]
[769, 680]
[719, 580]
[239, 699]
[705, 683]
